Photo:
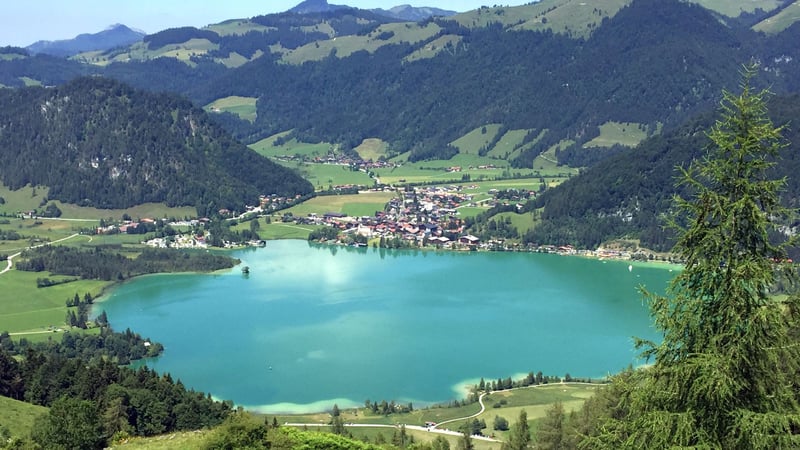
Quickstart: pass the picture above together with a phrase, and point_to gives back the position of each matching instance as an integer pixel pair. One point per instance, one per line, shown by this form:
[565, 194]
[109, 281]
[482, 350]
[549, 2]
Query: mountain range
[114, 36]
[554, 73]
[401, 12]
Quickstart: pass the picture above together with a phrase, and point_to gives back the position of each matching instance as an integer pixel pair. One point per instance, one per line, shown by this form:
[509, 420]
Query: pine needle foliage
[725, 375]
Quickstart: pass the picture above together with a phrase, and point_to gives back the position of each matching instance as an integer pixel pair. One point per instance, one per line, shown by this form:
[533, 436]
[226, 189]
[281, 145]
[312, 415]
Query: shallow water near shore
[314, 325]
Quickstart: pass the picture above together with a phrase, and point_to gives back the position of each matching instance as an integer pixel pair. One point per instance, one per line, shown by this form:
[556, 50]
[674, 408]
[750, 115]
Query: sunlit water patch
[313, 325]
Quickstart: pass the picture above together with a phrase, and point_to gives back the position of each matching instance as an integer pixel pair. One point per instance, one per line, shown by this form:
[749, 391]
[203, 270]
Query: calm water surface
[313, 325]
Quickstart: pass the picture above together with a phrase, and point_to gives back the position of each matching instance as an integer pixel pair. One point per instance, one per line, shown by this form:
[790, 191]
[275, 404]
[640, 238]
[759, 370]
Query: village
[417, 217]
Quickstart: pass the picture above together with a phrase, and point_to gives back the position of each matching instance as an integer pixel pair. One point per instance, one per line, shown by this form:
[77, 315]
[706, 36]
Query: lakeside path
[445, 431]
[10, 261]
[432, 429]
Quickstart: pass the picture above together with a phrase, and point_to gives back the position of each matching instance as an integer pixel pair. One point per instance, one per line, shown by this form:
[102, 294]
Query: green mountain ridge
[96, 142]
[625, 195]
[421, 86]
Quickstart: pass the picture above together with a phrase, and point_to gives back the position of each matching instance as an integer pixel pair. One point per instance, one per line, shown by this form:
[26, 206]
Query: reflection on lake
[313, 325]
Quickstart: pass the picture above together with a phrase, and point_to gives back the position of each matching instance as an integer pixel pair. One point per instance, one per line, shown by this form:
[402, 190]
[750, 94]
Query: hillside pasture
[266, 147]
[141, 52]
[325, 176]
[18, 417]
[244, 107]
[372, 149]
[781, 21]
[576, 18]
[472, 142]
[629, 134]
[344, 46]
[733, 8]
[509, 145]
[236, 26]
[33, 311]
[522, 222]
[433, 48]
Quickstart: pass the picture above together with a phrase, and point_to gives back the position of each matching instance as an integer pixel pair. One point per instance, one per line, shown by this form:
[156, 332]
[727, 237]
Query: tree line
[93, 402]
[105, 264]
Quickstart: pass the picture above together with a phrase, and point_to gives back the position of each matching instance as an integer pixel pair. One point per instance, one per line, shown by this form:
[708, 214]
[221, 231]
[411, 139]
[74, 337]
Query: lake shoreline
[335, 271]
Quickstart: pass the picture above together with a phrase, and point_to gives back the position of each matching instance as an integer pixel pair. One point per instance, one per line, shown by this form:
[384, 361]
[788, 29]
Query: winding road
[432, 429]
[10, 258]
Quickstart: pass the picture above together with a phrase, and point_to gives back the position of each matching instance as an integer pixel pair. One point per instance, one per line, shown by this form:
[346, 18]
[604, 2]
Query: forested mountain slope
[628, 194]
[421, 86]
[654, 62]
[96, 142]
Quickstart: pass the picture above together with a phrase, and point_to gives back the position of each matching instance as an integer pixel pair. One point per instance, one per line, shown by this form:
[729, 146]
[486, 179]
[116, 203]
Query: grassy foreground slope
[17, 417]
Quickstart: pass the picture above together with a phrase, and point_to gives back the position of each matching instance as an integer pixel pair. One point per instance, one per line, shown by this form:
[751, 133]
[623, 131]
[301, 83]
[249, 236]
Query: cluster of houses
[425, 216]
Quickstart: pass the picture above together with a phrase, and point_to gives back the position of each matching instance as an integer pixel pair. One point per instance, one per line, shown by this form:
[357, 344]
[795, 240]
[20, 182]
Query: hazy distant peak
[113, 36]
[315, 6]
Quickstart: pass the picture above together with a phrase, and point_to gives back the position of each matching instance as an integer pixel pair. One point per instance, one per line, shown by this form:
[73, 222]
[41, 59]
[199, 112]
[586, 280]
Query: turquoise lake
[315, 325]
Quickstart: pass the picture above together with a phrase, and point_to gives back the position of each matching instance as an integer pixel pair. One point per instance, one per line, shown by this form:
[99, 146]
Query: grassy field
[278, 230]
[236, 26]
[266, 147]
[29, 198]
[433, 48]
[344, 46]
[473, 141]
[534, 400]
[371, 149]
[244, 107]
[733, 8]
[18, 417]
[780, 21]
[523, 222]
[24, 308]
[575, 17]
[353, 205]
[505, 147]
[324, 176]
[628, 134]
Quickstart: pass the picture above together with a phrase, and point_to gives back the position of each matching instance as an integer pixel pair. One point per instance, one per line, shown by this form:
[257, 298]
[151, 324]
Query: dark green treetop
[725, 374]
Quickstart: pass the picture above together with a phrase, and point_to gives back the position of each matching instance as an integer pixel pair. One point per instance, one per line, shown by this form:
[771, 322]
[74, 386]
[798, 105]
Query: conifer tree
[550, 435]
[520, 436]
[725, 374]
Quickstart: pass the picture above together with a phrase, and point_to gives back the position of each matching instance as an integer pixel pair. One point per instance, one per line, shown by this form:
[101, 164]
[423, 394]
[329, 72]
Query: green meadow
[372, 149]
[472, 142]
[364, 204]
[34, 311]
[325, 176]
[18, 417]
[735, 8]
[629, 134]
[433, 48]
[236, 26]
[780, 21]
[576, 17]
[510, 144]
[266, 147]
[244, 107]
[343, 46]
[29, 198]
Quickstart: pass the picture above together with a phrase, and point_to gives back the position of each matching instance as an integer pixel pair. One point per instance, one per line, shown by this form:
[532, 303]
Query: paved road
[10, 258]
[483, 408]
[434, 429]
[408, 427]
